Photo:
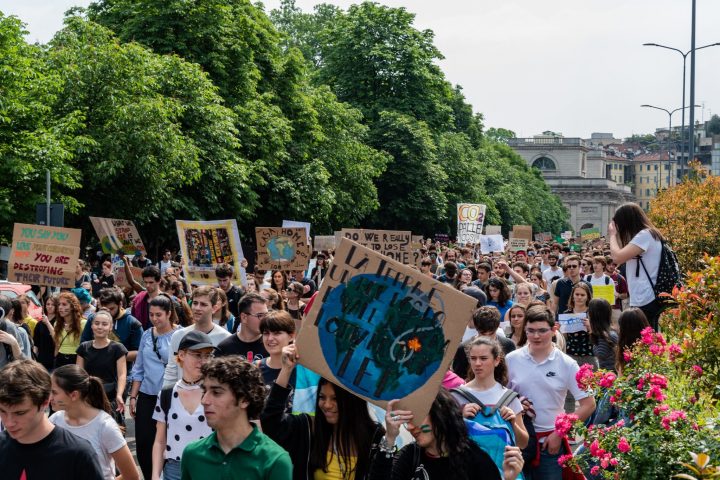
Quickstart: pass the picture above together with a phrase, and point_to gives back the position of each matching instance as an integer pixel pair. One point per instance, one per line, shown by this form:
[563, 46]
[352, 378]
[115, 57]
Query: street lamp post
[682, 128]
[670, 114]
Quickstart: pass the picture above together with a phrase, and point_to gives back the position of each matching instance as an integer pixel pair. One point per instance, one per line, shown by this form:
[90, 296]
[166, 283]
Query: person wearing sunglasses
[543, 373]
[179, 413]
[248, 341]
[564, 286]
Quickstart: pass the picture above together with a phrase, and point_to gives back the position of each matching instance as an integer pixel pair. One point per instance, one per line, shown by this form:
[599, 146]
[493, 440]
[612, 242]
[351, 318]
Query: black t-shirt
[45, 346]
[477, 465]
[102, 362]
[59, 456]
[234, 295]
[234, 346]
[563, 289]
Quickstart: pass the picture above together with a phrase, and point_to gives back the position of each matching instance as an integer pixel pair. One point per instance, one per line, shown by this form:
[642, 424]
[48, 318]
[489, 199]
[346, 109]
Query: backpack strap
[589, 279]
[504, 401]
[607, 280]
[468, 395]
[165, 399]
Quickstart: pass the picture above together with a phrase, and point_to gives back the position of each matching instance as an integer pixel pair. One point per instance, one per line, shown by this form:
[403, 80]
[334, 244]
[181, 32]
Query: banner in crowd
[493, 230]
[491, 243]
[572, 322]
[42, 255]
[382, 330]
[205, 245]
[293, 223]
[282, 248]
[518, 244]
[605, 291]
[470, 220]
[522, 231]
[566, 235]
[117, 234]
[324, 243]
[391, 243]
[589, 234]
[442, 237]
[543, 237]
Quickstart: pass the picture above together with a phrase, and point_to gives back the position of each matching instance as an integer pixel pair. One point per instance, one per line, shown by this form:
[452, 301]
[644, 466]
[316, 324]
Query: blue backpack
[488, 429]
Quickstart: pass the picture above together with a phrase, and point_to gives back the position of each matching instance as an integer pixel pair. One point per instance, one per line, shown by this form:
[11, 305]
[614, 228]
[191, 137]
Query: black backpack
[669, 275]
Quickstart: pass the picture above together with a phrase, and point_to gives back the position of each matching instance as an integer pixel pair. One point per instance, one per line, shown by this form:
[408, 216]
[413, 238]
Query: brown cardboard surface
[297, 239]
[517, 244]
[369, 324]
[117, 234]
[395, 244]
[44, 255]
[324, 242]
[492, 230]
[523, 231]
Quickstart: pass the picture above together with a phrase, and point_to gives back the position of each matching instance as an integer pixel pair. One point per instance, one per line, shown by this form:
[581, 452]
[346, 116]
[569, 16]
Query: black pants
[62, 359]
[652, 311]
[145, 431]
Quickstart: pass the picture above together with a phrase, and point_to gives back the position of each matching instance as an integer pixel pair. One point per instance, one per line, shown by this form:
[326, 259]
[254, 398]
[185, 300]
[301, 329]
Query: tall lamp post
[670, 114]
[682, 128]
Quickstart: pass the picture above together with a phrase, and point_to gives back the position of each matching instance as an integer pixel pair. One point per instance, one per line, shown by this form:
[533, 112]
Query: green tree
[32, 138]
[713, 126]
[501, 135]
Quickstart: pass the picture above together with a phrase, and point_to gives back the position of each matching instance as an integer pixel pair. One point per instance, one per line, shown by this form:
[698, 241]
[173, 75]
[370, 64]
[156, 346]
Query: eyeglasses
[201, 356]
[538, 331]
[572, 266]
[259, 316]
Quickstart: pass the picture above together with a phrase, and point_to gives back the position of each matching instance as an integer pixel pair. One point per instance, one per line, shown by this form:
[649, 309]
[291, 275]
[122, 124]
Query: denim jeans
[548, 468]
[171, 470]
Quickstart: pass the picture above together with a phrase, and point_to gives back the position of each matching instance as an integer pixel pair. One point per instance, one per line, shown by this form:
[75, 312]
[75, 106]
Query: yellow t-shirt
[69, 343]
[335, 469]
[31, 322]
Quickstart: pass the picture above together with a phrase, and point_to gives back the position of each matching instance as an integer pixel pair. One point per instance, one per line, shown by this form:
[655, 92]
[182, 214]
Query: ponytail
[73, 378]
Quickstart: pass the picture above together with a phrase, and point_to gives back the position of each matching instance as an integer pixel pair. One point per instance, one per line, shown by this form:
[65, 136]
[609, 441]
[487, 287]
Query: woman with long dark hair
[44, 332]
[603, 338]
[82, 408]
[516, 318]
[632, 321]
[147, 375]
[337, 443]
[635, 241]
[498, 294]
[442, 448]
[68, 329]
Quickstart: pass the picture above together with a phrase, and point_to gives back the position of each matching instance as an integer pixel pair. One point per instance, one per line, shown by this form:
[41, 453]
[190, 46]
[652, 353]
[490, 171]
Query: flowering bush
[660, 415]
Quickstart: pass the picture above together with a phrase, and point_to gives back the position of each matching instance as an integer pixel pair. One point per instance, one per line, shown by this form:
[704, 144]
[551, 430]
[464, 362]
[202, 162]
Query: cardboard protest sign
[293, 223]
[605, 291]
[207, 244]
[491, 243]
[324, 243]
[566, 235]
[543, 237]
[281, 248]
[116, 234]
[572, 322]
[416, 242]
[43, 255]
[518, 244]
[392, 243]
[119, 272]
[442, 237]
[589, 233]
[492, 230]
[382, 330]
[522, 231]
[470, 219]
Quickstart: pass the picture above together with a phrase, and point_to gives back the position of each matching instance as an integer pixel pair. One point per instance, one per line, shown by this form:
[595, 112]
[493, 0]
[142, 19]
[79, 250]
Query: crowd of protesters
[208, 373]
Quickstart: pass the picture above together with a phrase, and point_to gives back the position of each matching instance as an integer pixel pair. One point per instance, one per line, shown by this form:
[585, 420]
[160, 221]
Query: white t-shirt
[549, 274]
[639, 288]
[489, 397]
[545, 383]
[183, 427]
[103, 434]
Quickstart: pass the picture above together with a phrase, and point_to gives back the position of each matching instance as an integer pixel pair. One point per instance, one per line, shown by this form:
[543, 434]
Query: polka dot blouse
[183, 427]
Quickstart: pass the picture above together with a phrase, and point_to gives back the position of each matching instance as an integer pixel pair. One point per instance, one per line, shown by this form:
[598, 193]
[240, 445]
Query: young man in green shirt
[234, 394]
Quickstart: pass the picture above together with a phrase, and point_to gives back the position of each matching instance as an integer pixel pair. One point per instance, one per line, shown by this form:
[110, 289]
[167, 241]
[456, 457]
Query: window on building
[667, 167]
[647, 192]
[544, 164]
[656, 167]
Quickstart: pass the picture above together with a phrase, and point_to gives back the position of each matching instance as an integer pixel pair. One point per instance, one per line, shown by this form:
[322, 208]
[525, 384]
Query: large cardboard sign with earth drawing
[282, 248]
[382, 330]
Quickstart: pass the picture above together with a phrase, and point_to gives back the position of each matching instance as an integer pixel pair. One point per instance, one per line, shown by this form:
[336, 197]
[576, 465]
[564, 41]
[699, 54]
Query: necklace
[189, 386]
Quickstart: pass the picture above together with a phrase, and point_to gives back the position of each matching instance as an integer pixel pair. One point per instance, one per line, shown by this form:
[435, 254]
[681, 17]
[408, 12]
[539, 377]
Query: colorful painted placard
[470, 220]
[205, 245]
[280, 248]
[117, 234]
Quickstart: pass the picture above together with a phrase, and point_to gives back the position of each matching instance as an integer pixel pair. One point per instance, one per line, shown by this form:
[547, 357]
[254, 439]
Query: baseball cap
[195, 340]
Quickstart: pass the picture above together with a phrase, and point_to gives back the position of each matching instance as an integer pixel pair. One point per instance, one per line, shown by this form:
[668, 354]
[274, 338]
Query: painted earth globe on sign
[281, 248]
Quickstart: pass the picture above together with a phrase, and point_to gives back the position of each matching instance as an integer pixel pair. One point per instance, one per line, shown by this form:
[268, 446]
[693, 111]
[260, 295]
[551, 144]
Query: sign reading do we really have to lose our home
[382, 330]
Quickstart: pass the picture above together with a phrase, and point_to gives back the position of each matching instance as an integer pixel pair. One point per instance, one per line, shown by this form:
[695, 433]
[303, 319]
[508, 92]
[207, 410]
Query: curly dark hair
[243, 378]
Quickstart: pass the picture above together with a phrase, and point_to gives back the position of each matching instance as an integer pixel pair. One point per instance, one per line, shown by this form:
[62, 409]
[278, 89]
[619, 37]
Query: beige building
[653, 172]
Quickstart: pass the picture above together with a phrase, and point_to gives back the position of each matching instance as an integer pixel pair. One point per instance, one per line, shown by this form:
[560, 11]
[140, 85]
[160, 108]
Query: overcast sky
[571, 66]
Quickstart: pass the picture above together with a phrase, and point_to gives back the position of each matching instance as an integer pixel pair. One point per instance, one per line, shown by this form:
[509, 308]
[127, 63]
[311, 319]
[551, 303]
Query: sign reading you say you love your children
[44, 255]
[382, 330]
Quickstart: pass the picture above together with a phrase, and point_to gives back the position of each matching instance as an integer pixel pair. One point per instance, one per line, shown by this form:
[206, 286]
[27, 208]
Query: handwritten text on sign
[44, 255]
[391, 243]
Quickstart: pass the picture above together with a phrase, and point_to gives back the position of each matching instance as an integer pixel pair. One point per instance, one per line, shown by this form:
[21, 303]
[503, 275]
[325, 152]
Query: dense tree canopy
[154, 110]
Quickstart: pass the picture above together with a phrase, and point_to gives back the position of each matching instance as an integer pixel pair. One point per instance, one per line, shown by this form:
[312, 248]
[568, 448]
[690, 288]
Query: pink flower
[661, 408]
[657, 349]
[595, 449]
[655, 393]
[697, 370]
[585, 377]
[607, 380]
[563, 459]
[594, 470]
[674, 350]
[659, 380]
[564, 423]
[623, 445]
[647, 336]
[627, 356]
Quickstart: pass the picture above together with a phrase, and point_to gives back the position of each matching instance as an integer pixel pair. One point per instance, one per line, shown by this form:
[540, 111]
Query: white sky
[571, 66]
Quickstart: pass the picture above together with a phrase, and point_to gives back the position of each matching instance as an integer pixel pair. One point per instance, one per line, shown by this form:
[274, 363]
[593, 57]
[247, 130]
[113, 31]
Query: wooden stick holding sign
[382, 330]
